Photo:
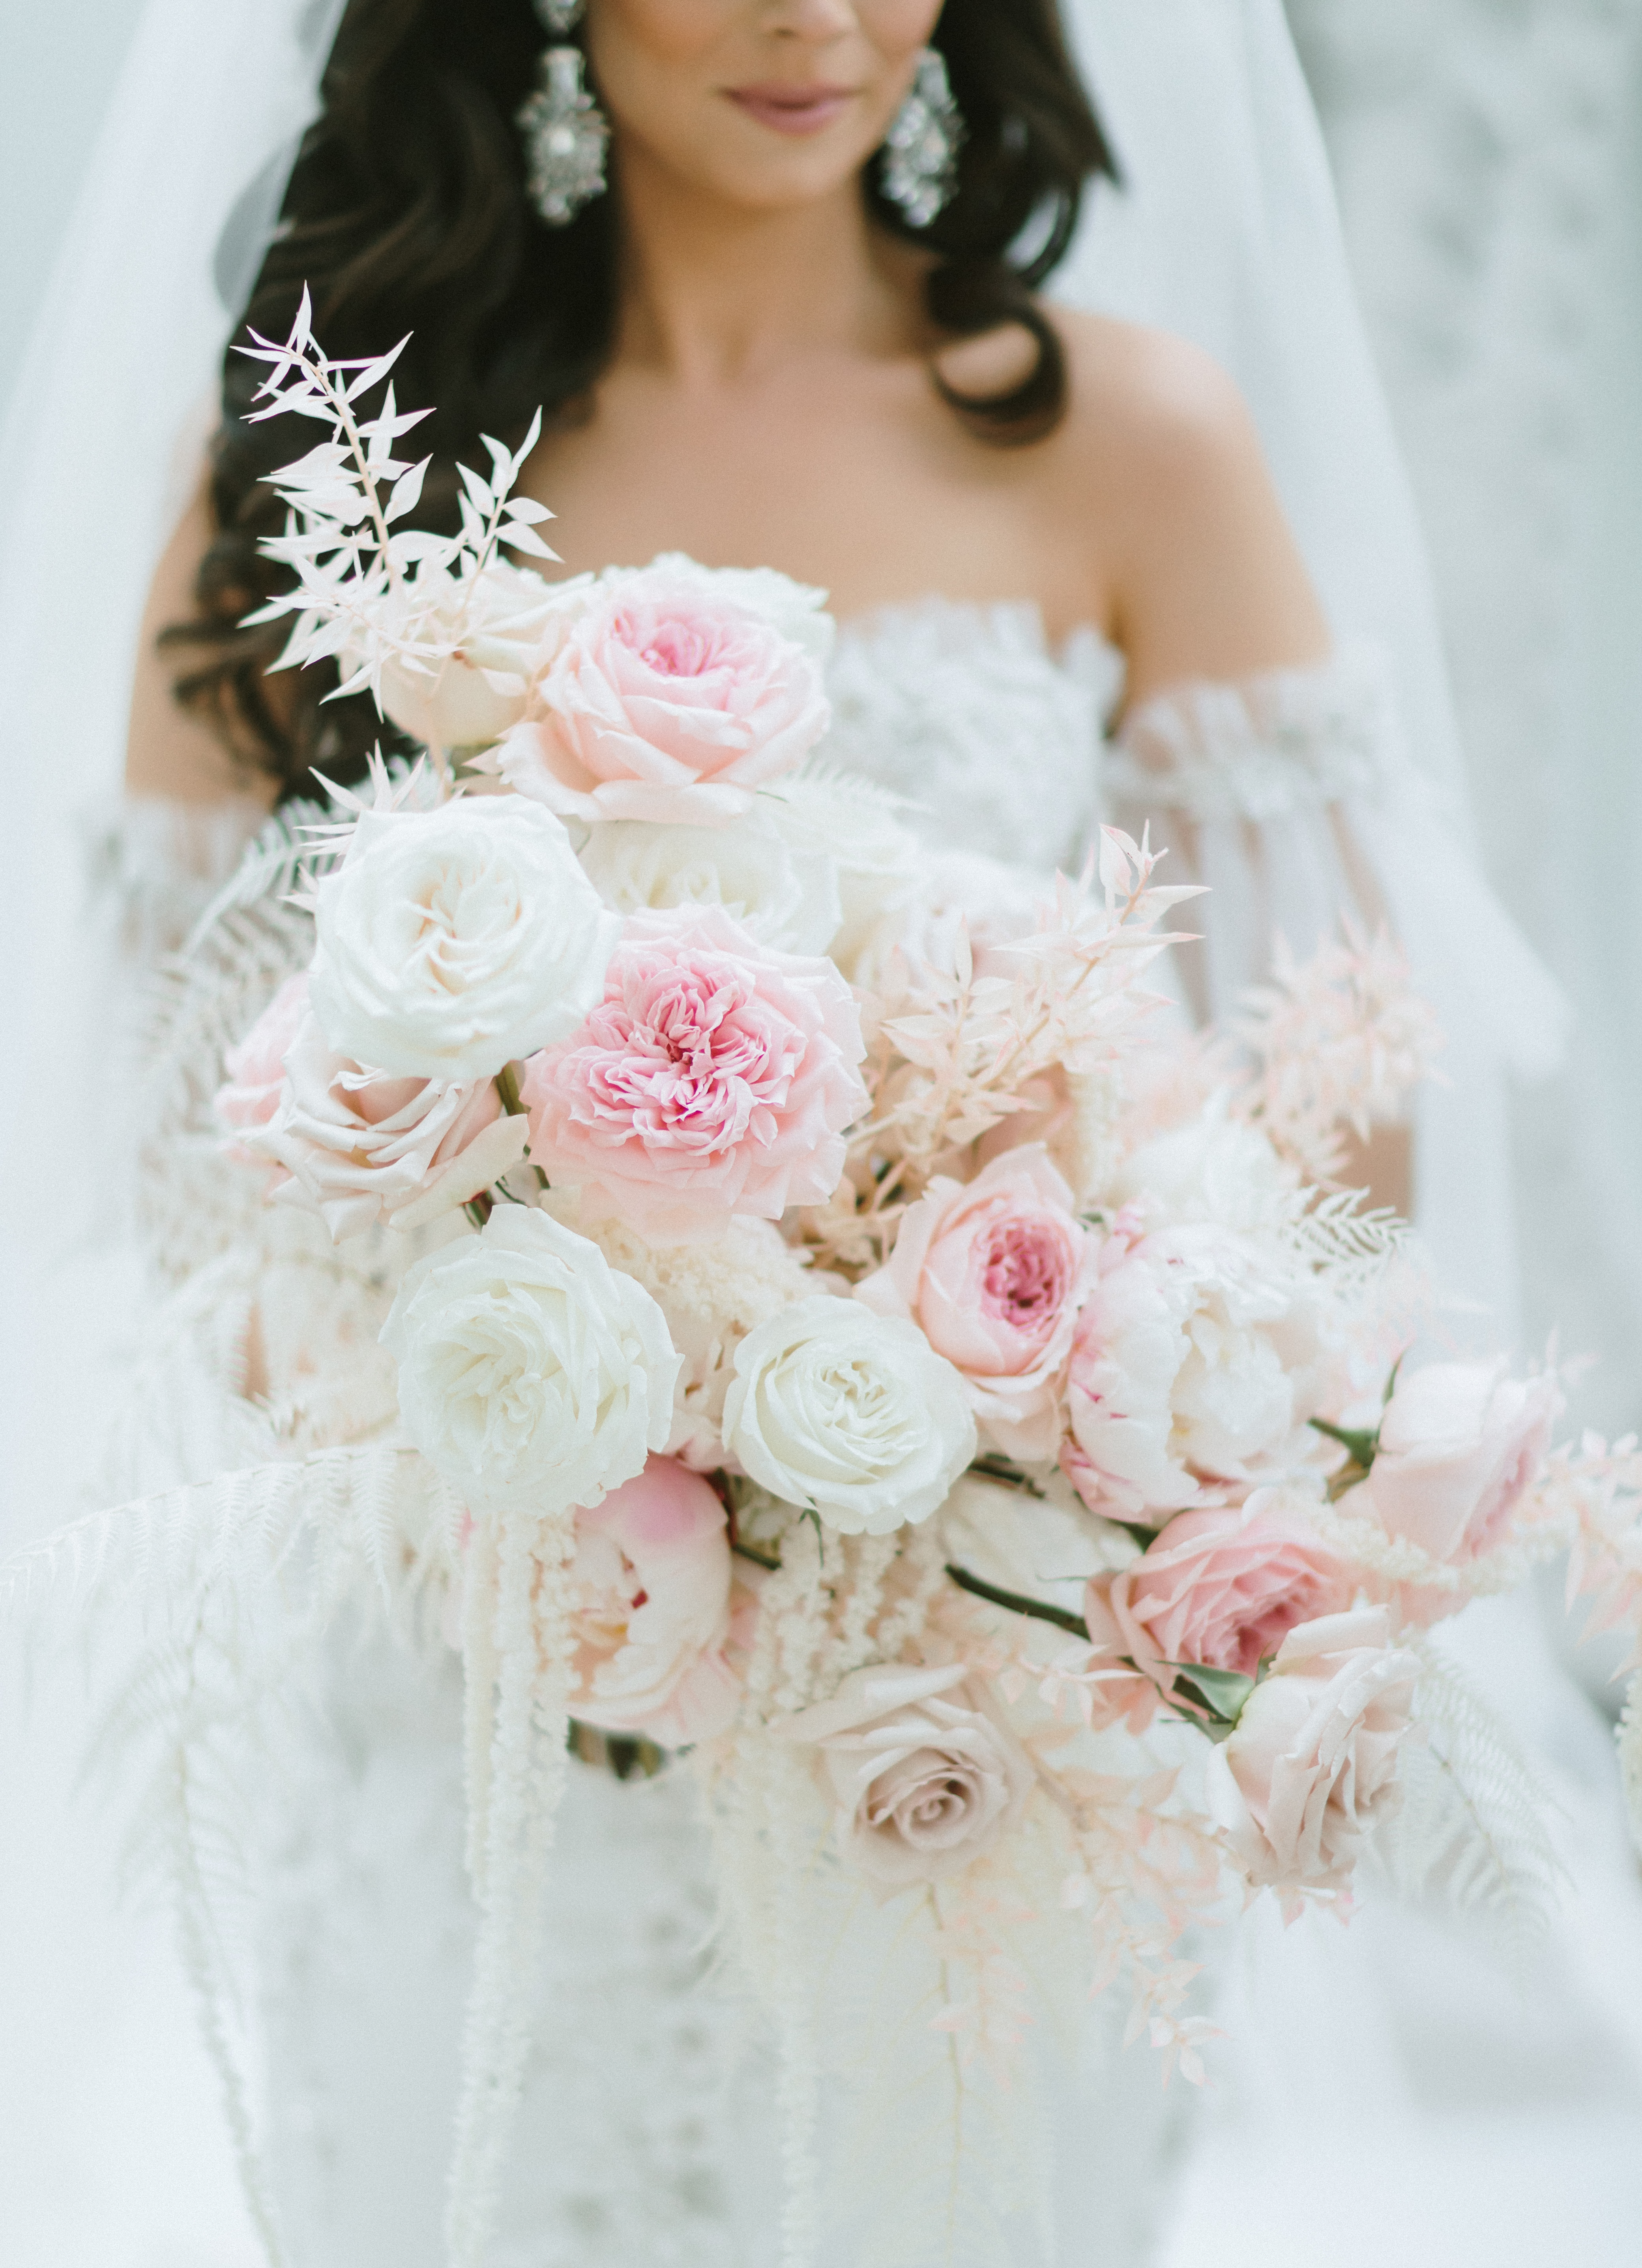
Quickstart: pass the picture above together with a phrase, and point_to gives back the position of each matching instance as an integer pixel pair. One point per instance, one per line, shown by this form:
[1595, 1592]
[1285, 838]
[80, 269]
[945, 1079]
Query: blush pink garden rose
[360, 1146]
[992, 1273]
[1460, 1447]
[1221, 1587]
[1311, 1770]
[667, 701]
[653, 1616]
[250, 1095]
[924, 1781]
[715, 1080]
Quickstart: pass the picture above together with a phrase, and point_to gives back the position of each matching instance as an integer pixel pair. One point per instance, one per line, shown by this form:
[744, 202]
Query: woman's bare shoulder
[1150, 415]
[1158, 471]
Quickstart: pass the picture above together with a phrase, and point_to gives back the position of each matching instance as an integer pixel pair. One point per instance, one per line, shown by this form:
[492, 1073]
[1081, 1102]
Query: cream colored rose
[784, 897]
[1312, 1767]
[453, 941]
[361, 1147]
[924, 1781]
[848, 1413]
[530, 1373]
[483, 644]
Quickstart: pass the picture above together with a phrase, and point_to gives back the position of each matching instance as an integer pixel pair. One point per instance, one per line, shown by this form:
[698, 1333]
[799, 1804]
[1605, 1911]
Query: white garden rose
[879, 862]
[452, 941]
[530, 1373]
[786, 898]
[1214, 1169]
[851, 1413]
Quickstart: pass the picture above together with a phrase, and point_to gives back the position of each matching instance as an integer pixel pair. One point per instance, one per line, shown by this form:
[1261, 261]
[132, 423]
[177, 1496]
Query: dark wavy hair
[406, 211]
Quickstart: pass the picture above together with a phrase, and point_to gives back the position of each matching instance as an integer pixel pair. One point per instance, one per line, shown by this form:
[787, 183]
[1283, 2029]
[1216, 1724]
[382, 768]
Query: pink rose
[1221, 1587]
[256, 1068]
[361, 1147]
[1312, 1768]
[1460, 1447]
[652, 1573]
[666, 701]
[716, 1078]
[993, 1274]
[1129, 1348]
[924, 1782]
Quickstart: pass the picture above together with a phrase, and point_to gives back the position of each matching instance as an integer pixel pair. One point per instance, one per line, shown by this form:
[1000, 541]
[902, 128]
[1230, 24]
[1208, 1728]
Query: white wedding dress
[648, 2131]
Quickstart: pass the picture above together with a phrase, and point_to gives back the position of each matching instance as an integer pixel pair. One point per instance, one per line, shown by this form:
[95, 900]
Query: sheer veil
[1225, 231]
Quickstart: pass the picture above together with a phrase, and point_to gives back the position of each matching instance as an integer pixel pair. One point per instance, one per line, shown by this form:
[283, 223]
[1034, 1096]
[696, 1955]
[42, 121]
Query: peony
[451, 941]
[529, 1372]
[993, 1274]
[1128, 1349]
[1460, 1447]
[784, 898]
[1213, 1168]
[362, 1147]
[492, 635]
[249, 1096]
[849, 1413]
[716, 1078]
[1195, 1356]
[1311, 1769]
[668, 701]
[1221, 1587]
[923, 1780]
[652, 1576]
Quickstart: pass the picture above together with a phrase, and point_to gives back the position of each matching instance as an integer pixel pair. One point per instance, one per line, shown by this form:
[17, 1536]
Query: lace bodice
[994, 739]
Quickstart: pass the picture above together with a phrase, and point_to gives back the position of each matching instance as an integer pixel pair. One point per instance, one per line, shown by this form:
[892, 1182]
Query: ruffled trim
[1285, 741]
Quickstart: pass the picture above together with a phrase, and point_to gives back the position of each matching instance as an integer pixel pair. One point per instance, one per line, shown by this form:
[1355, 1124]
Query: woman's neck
[714, 292]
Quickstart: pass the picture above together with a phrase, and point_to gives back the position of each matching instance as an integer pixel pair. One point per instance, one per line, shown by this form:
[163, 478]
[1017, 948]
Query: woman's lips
[793, 109]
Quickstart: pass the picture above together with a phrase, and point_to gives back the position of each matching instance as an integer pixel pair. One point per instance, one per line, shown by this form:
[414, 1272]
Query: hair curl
[406, 211]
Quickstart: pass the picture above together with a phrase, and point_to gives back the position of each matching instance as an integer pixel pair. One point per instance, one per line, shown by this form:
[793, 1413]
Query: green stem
[1016, 1604]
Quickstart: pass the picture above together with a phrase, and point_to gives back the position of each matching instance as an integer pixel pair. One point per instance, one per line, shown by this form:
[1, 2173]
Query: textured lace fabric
[649, 2133]
[1282, 742]
[993, 739]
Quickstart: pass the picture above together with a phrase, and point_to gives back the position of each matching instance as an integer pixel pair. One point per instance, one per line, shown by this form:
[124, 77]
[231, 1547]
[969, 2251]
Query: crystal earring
[921, 148]
[565, 132]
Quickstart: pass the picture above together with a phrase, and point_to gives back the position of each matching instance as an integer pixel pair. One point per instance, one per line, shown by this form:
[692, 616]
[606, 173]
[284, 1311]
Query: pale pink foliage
[1339, 1040]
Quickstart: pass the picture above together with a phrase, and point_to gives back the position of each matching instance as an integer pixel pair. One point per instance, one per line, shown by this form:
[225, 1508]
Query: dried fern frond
[1471, 1827]
[349, 1511]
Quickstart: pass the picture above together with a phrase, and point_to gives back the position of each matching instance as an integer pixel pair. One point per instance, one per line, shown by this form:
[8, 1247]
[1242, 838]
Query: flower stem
[1062, 1618]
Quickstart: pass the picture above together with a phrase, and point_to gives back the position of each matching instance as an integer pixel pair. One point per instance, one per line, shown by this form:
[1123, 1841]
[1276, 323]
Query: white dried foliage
[1471, 1828]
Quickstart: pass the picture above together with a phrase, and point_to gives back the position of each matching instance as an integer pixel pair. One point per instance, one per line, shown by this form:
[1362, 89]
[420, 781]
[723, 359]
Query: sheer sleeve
[1294, 798]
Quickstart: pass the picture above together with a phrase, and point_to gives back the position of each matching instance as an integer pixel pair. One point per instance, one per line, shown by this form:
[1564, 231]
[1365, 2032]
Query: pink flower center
[675, 649]
[1024, 1277]
[690, 1058]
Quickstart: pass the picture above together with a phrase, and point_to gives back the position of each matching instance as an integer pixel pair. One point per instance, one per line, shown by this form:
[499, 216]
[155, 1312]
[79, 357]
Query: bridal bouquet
[847, 1333]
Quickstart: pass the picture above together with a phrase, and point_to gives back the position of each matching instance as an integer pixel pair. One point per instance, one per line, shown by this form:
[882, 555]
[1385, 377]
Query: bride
[771, 266]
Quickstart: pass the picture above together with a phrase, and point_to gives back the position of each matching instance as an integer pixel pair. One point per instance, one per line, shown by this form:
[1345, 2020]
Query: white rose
[924, 1782]
[530, 1373]
[786, 898]
[362, 1147]
[1311, 1770]
[797, 610]
[492, 637]
[878, 861]
[851, 1413]
[452, 941]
